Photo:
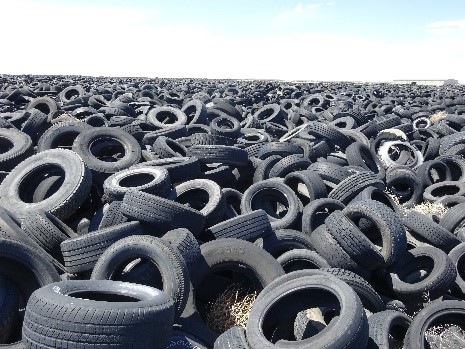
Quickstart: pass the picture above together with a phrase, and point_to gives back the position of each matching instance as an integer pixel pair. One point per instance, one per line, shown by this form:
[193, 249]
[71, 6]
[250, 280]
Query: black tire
[371, 300]
[353, 241]
[81, 253]
[449, 312]
[283, 240]
[15, 146]
[307, 185]
[165, 258]
[266, 195]
[438, 190]
[457, 255]
[391, 233]
[235, 338]
[406, 278]
[28, 268]
[36, 124]
[387, 327]
[453, 218]
[328, 248]
[163, 117]
[331, 174]
[250, 226]
[10, 301]
[111, 215]
[429, 230]
[375, 194]
[281, 149]
[106, 143]
[405, 184]
[165, 147]
[46, 105]
[353, 185]
[180, 169]
[288, 165]
[298, 259]
[203, 195]
[186, 244]
[262, 171]
[219, 154]
[102, 313]
[359, 154]
[232, 199]
[148, 179]
[47, 231]
[280, 304]
[18, 187]
[242, 257]
[195, 111]
[226, 126]
[161, 214]
[61, 135]
[315, 213]
[433, 171]
[184, 340]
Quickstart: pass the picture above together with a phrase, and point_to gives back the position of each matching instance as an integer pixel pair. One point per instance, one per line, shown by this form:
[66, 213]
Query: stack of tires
[128, 206]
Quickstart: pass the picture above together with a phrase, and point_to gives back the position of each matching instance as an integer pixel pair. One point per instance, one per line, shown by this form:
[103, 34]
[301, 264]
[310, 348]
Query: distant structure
[427, 82]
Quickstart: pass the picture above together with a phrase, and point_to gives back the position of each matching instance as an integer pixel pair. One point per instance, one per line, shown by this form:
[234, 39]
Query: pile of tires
[128, 205]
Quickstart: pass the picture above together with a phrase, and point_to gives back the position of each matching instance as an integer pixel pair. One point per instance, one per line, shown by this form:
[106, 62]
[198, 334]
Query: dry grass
[445, 337]
[231, 308]
[437, 116]
[426, 207]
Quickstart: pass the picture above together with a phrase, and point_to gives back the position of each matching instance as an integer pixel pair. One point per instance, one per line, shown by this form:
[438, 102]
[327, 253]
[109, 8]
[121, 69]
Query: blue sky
[290, 40]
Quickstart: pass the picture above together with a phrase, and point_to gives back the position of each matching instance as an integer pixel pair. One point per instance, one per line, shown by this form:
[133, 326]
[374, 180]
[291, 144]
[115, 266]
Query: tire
[359, 154]
[161, 214]
[432, 172]
[111, 215]
[61, 135]
[281, 149]
[307, 185]
[102, 142]
[36, 124]
[219, 154]
[47, 231]
[406, 185]
[262, 195]
[163, 117]
[25, 266]
[299, 259]
[262, 171]
[180, 169]
[75, 180]
[10, 300]
[235, 338]
[375, 194]
[289, 164]
[315, 213]
[353, 241]
[411, 161]
[165, 258]
[226, 126]
[453, 218]
[371, 300]
[165, 147]
[243, 257]
[448, 312]
[429, 230]
[186, 244]
[46, 105]
[387, 326]
[15, 146]
[203, 195]
[195, 111]
[108, 313]
[81, 253]
[232, 199]
[353, 185]
[250, 227]
[328, 248]
[408, 284]
[283, 240]
[390, 229]
[183, 340]
[437, 191]
[349, 330]
[457, 257]
[148, 179]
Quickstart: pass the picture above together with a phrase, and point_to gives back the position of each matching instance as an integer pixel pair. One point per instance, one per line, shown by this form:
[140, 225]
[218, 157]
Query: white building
[427, 82]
